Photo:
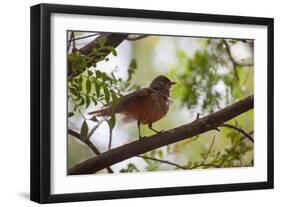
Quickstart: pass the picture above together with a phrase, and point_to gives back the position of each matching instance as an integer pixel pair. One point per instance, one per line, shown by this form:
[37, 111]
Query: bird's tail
[102, 112]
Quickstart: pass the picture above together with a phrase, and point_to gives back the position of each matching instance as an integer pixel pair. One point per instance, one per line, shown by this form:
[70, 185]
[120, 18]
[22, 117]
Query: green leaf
[114, 52]
[108, 47]
[84, 130]
[94, 100]
[99, 59]
[102, 41]
[70, 114]
[73, 91]
[88, 86]
[98, 74]
[160, 154]
[130, 168]
[82, 102]
[113, 96]
[80, 80]
[88, 101]
[111, 122]
[94, 119]
[106, 93]
[97, 86]
[132, 68]
[90, 73]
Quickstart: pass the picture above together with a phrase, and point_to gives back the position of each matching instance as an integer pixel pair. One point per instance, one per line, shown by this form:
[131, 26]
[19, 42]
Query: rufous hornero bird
[146, 105]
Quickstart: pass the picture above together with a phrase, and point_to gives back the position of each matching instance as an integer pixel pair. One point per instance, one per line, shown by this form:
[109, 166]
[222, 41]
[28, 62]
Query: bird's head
[161, 82]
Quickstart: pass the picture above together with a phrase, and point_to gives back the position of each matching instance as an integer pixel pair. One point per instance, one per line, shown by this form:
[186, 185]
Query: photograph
[129, 103]
[132, 99]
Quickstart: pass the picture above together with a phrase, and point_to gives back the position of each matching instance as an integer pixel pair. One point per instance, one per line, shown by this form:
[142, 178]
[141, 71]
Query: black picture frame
[41, 96]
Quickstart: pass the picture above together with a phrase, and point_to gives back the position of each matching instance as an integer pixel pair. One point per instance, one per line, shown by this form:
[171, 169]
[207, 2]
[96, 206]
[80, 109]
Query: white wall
[14, 104]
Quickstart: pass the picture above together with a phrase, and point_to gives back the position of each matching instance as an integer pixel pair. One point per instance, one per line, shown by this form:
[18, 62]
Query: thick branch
[112, 39]
[135, 148]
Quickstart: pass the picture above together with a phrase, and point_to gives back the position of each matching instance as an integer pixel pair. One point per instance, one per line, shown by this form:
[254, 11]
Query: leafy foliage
[153, 165]
[94, 86]
[206, 81]
[132, 69]
[130, 168]
[77, 62]
[97, 87]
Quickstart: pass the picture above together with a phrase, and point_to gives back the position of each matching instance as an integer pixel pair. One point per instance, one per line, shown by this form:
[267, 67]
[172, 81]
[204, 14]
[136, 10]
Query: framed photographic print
[132, 103]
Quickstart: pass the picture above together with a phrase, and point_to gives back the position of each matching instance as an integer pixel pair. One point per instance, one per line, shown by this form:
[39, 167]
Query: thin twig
[231, 58]
[110, 139]
[80, 38]
[247, 76]
[69, 42]
[204, 165]
[239, 130]
[162, 161]
[89, 144]
[94, 129]
[226, 157]
[73, 44]
[209, 150]
[179, 166]
[77, 135]
[250, 133]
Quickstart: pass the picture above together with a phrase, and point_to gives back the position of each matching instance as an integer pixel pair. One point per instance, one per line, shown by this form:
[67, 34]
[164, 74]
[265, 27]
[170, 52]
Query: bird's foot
[158, 132]
[141, 137]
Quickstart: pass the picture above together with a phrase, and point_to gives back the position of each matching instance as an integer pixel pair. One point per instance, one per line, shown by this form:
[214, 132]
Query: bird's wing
[125, 101]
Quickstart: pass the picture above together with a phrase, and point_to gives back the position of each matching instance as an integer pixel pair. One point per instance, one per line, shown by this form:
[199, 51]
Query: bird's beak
[173, 83]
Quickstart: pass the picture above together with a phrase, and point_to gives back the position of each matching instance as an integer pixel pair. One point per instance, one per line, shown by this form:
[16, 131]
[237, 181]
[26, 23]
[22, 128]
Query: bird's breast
[148, 110]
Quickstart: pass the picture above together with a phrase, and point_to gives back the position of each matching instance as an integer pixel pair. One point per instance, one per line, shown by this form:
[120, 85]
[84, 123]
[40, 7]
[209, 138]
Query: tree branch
[204, 165]
[110, 139]
[69, 41]
[162, 161]
[239, 130]
[89, 143]
[232, 59]
[135, 148]
[209, 150]
[80, 38]
[179, 166]
[112, 39]
[250, 133]
[94, 129]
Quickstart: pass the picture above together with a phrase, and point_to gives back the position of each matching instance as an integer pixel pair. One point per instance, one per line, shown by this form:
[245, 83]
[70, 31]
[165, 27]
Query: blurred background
[211, 73]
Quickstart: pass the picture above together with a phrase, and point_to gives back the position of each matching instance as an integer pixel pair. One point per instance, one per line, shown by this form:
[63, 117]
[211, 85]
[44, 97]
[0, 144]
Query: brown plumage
[146, 105]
